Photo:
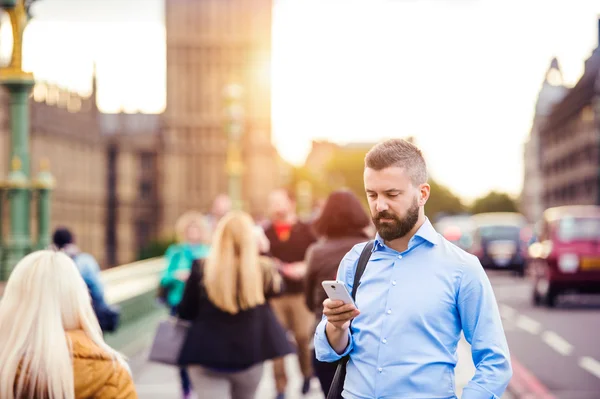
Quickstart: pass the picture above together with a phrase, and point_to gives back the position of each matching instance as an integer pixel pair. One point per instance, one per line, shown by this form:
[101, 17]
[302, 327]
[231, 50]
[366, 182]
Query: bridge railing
[133, 287]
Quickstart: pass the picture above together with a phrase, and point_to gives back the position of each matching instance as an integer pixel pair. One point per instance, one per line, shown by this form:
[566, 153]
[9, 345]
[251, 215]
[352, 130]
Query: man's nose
[381, 205]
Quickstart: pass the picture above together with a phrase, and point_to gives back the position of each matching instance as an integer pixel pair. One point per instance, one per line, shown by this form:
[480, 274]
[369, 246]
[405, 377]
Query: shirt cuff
[476, 391]
[323, 350]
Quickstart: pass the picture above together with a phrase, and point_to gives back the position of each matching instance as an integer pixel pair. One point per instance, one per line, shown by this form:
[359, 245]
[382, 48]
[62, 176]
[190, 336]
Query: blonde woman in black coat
[233, 328]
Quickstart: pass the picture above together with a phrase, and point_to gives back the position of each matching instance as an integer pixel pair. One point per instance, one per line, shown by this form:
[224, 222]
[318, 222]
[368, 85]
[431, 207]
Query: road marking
[507, 312]
[509, 325]
[528, 324]
[557, 343]
[591, 365]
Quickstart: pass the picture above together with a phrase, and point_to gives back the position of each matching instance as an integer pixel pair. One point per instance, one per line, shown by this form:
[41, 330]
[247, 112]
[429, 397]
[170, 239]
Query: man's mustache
[385, 215]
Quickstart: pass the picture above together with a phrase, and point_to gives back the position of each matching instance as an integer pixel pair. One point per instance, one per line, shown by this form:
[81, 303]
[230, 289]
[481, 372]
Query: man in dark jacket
[289, 239]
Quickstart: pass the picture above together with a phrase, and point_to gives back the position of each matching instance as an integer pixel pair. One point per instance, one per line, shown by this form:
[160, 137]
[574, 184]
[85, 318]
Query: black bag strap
[337, 385]
[365, 255]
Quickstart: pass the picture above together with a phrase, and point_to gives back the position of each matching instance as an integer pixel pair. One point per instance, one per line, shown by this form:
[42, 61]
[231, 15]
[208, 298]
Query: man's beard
[398, 227]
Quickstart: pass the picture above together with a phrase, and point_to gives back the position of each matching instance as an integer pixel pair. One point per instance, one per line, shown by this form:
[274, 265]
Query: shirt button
[399, 256]
[389, 311]
[384, 341]
[394, 282]
[380, 369]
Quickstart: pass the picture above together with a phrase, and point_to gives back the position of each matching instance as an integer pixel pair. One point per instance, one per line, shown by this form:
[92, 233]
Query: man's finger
[340, 309]
[342, 316]
[330, 304]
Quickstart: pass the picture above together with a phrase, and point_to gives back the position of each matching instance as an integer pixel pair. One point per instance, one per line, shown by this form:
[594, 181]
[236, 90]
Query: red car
[566, 257]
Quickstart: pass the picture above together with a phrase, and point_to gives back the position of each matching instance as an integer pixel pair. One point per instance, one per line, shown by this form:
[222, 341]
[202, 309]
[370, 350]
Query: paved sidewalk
[155, 381]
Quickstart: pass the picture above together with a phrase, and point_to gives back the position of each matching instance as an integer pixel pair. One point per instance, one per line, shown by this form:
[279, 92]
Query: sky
[461, 76]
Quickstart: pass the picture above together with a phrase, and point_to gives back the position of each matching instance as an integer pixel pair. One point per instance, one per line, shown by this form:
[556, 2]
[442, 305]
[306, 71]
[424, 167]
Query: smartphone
[337, 291]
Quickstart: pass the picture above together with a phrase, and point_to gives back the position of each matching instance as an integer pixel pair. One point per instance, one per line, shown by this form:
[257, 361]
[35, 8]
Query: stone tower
[212, 44]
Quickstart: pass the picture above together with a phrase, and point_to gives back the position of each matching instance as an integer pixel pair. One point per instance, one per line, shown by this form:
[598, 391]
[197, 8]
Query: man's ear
[424, 192]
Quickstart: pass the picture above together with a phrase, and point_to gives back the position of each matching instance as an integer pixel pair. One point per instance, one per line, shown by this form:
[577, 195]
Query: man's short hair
[62, 237]
[399, 153]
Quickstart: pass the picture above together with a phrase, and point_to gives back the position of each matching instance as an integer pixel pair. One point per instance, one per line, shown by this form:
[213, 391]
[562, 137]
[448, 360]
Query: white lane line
[557, 343]
[507, 312]
[591, 365]
[528, 324]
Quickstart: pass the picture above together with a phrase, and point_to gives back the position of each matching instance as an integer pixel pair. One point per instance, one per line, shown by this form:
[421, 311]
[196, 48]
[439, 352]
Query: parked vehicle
[566, 257]
[458, 229]
[498, 241]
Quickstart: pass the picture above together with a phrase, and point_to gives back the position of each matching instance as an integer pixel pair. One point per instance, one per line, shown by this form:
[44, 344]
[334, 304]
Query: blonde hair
[45, 296]
[187, 219]
[233, 273]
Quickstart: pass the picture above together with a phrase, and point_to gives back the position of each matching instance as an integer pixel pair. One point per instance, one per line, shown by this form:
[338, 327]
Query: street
[558, 346]
[154, 381]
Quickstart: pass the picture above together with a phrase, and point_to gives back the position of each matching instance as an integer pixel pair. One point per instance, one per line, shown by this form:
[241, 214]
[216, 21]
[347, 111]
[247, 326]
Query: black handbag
[337, 385]
[168, 341]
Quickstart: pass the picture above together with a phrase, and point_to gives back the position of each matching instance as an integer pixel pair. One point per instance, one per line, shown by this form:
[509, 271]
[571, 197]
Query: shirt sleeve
[172, 260]
[323, 350]
[90, 272]
[483, 329]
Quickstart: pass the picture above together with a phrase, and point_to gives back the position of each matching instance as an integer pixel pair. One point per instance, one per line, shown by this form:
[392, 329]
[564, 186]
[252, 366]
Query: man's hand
[339, 314]
[294, 271]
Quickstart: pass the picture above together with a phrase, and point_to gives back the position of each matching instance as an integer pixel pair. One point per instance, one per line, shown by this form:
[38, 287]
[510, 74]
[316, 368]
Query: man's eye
[372, 195]
[393, 195]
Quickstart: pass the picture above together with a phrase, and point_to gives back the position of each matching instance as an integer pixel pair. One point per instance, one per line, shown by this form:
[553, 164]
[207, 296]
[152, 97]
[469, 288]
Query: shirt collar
[426, 232]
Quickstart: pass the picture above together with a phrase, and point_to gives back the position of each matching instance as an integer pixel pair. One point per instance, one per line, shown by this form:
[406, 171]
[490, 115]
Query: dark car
[498, 242]
[566, 257]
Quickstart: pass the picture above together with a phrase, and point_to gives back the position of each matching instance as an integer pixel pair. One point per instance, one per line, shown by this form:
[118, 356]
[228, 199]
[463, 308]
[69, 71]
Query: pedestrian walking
[233, 328]
[108, 316]
[341, 224]
[193, 236]
[289, 239]
[51, 345]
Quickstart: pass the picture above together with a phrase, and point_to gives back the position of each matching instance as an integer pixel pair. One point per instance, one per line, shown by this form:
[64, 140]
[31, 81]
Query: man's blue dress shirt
[413, 306]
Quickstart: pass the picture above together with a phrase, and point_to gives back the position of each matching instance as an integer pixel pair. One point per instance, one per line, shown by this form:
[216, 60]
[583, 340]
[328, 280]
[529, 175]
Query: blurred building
[322, 151]
[105, 166]
[553, 91]
[134, 204]
[123, 179]
[211, 45]
[65, 136]
[570, 142]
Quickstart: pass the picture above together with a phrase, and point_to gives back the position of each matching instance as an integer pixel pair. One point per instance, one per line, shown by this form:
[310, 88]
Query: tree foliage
[345, 170]
[494, 202]
[442, 201]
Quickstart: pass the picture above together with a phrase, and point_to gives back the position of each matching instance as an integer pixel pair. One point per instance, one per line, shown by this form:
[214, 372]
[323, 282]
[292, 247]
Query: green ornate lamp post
[17, 188]
[43, 185]
[234, 113]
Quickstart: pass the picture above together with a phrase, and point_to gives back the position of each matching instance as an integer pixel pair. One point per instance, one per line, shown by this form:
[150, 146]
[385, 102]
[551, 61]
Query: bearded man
[416, 296]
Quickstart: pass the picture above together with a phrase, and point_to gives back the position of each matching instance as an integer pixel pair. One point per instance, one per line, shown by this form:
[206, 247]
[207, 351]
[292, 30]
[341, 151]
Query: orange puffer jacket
[95, 374]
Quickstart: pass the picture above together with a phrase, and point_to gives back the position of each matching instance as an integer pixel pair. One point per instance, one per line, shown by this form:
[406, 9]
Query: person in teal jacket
[193, 235]
[179, 258]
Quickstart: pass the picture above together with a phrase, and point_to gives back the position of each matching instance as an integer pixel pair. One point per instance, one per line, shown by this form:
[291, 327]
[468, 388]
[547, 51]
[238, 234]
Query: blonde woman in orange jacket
[51, 345]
